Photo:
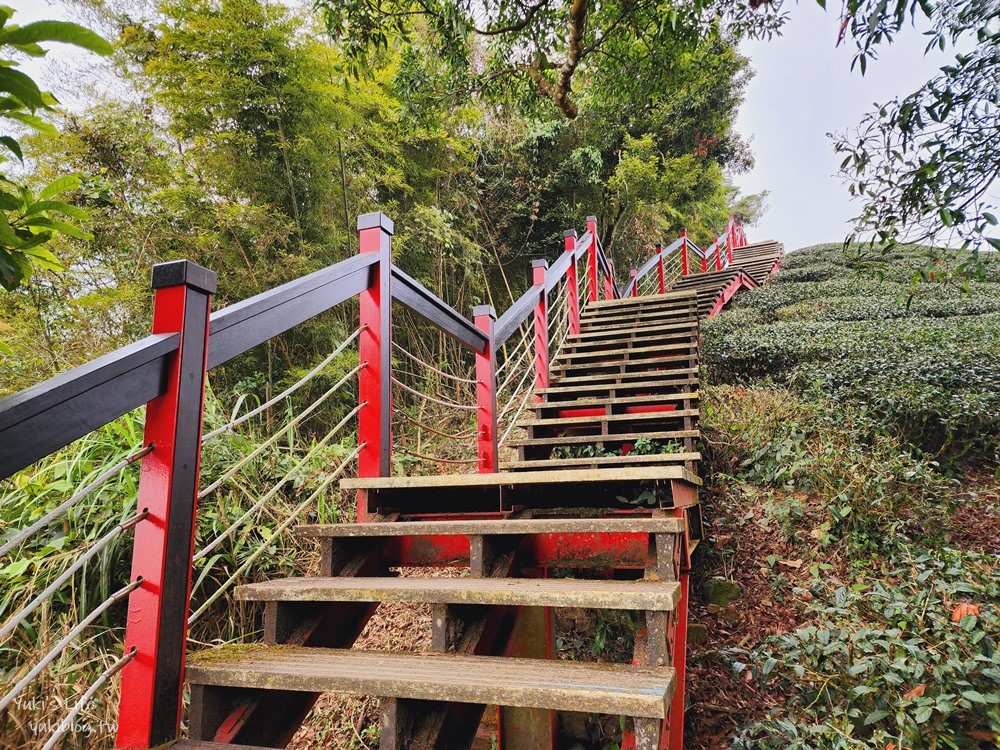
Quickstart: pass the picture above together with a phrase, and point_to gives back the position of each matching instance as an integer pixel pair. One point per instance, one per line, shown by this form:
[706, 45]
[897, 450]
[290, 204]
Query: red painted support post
[685, 269]
[660, 272]
[573, 301]
[718, 254]
[704, 262]
[153, 681]
[541, 340]
[592, 272]
[608, 291]
[374, 352]
[675, 717]
[730, 239]
[486, 392]
[633, 277]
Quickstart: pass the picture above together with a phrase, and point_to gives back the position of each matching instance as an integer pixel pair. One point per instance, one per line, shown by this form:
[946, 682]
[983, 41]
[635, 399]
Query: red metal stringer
[573, 282]
[541, 339]
[374, 350]
[486, 392]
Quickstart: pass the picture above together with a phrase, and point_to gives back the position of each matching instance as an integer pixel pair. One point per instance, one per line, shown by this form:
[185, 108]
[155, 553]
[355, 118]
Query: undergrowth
[847, 419]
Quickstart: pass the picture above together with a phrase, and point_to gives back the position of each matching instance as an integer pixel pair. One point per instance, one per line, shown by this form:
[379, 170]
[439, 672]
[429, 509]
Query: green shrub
[885, 663]
[922, 363]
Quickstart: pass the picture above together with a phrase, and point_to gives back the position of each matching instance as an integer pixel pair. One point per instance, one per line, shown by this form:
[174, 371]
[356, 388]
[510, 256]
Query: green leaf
[21, 86]
[58, 207]
[64, 184]
[57, 31]
[32, 121]
[13, 146]
[58, 226]
[45, 259]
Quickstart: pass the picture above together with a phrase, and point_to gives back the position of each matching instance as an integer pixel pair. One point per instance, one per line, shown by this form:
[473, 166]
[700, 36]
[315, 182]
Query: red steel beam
[574, 284]
[486, 392]
[374, 351]
[153, 681]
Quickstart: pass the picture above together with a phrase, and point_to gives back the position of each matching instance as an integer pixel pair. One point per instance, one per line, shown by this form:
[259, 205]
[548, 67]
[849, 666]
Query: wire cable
[274, 490]
[231, 471]
[100, 544]
[418, 423]
[442, 402]
[66, 640]
[282, 527]
[433, 369]
[66, 724]
[80, 495]
[287, 392]
[438, 458]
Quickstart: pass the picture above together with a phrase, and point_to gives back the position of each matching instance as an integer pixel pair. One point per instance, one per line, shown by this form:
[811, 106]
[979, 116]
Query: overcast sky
[803, 88]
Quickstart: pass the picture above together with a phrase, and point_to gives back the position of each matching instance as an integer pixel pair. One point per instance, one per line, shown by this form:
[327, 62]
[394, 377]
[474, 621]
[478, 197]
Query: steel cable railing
[67, 723]
[433, 399]
[287, 392]
[293, 516]
[278, 434]
[68, 638]
[273, 491]
[15, 620]
[436, 371]
[81, 494]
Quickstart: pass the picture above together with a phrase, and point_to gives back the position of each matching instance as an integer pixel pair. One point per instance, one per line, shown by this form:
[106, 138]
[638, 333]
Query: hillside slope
[852, 429]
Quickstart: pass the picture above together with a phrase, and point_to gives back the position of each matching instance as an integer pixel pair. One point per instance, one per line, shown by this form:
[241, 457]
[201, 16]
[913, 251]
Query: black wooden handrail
[52, 414]
[240, 327]
[426, 304]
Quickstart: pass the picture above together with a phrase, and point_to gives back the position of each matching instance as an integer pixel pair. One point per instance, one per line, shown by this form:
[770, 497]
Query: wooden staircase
[604, 490]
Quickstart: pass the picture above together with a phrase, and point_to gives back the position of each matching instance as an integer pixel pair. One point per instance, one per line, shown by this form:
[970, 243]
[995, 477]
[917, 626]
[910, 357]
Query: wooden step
[686, 357]
[631, 342]
[569, 394]
[615, 439]
[659, 596]
[525, 683]
[628, 378]
[626, 352]
[503, 491]
[630, 302]
[629, 333]
[495, 527]
[622, 401]
[600, 461]
[648, 317]
[601, 419]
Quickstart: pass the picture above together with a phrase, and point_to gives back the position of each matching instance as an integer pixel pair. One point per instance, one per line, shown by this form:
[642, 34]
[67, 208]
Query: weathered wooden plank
[511, 479]
[522, 592]
[491, 527]
[601, 461]
[527, 683]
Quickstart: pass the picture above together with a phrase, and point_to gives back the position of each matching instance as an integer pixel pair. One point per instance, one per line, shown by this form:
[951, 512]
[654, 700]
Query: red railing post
[730, 238]
[704, 262]
[592, 272]
[685, 269]
[153, 681]
[718, 254]
[633, 279]
[486, 392]
[375, 351]
[608, 293]
[541, 340]
[573, 282]
[661, 275]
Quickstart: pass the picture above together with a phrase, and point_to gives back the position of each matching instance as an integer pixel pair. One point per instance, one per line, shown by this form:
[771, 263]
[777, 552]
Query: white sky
[803, 88]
